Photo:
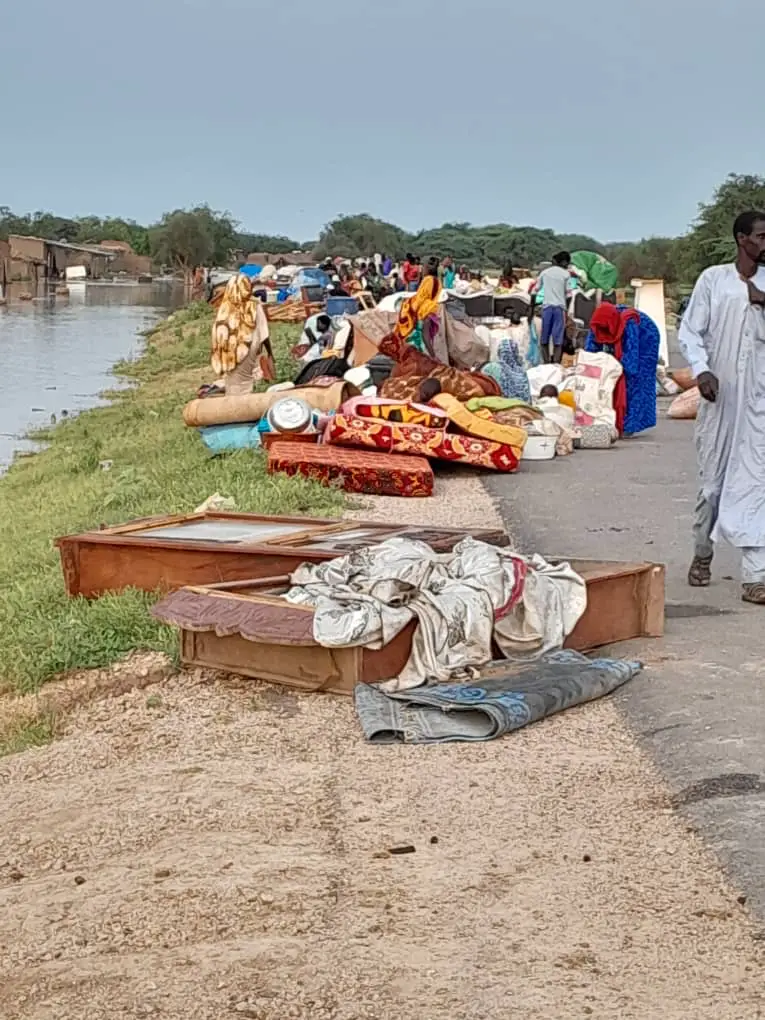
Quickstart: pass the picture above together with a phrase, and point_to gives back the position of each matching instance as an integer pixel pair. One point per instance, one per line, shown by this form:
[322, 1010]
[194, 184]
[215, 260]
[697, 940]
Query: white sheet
[462, 600]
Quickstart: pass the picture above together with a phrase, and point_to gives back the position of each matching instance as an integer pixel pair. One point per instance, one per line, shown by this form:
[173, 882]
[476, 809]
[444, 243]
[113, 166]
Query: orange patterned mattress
[375, 474]
[438, 444]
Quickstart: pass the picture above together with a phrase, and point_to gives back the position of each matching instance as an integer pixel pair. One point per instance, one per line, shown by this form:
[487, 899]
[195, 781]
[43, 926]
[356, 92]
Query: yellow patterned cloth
[240, 322]
[418, 307]
[458, 414]
[406, 414]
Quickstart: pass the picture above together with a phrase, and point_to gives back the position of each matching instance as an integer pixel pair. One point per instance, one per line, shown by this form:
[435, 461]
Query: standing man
[410, 272]
[554, 282]
[722, 336]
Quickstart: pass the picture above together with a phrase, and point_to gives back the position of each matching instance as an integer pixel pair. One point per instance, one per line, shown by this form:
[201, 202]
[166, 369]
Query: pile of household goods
[290, 293]
[400, 616]
[435, 647]
[379, 395]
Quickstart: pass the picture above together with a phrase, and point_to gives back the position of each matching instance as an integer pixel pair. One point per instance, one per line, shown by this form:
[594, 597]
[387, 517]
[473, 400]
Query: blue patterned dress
[640, 356]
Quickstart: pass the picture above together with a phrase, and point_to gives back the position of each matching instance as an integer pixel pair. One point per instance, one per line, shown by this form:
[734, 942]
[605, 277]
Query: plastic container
[342, 306]
[539, 448]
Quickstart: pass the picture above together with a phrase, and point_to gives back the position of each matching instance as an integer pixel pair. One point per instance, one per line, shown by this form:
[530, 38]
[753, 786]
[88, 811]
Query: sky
[613, 119]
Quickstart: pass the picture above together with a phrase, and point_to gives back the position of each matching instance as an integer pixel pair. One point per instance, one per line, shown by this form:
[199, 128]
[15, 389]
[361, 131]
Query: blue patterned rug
[506, 696]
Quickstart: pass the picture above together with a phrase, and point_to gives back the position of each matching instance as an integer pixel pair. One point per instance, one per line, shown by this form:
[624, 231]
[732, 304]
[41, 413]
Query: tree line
[185, 238]
[182, 239]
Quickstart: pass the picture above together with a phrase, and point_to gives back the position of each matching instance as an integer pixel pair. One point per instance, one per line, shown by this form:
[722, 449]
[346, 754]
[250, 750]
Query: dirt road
[207, 847]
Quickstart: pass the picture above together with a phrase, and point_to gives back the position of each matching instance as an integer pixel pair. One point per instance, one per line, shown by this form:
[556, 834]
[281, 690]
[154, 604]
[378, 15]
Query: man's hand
[756, 296]
[708, 386]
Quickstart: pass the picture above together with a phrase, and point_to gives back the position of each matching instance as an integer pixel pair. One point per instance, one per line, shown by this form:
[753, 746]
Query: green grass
[158, 466]
[34, 732]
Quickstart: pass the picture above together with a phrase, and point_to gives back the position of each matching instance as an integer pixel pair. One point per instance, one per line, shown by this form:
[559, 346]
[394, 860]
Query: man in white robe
[722, 336]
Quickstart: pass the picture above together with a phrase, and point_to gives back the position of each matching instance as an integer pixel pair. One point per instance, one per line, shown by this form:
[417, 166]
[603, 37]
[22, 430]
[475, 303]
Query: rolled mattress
[254, 406]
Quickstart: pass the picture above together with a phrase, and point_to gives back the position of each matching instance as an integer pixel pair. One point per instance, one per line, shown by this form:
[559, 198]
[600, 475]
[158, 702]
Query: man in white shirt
[554, 283]
[722, 336]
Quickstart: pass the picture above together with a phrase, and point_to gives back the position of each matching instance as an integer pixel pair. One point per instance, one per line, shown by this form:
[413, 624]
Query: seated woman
[419, 316]
[509, 372]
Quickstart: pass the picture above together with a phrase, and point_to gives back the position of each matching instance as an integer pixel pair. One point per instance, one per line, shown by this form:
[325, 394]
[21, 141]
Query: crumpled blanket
[463, 601]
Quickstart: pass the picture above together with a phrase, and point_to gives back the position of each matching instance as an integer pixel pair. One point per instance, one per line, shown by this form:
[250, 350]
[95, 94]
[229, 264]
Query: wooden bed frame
[243, 627]
[115, 558]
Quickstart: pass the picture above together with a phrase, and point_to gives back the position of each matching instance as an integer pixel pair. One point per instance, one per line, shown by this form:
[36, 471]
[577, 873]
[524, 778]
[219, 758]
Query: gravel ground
[207, 847]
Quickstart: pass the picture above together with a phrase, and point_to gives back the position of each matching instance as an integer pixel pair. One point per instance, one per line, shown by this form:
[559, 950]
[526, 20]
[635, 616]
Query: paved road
[699, 705]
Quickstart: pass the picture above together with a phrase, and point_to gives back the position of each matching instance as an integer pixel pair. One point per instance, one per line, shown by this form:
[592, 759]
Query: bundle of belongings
[423, 382]
[482, 613]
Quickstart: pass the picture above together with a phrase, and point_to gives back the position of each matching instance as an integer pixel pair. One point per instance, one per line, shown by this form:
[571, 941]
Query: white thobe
[723, 333]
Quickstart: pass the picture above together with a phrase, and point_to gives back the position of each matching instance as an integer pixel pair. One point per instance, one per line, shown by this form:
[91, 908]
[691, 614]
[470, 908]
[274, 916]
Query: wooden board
[624, 601]
[115, 558]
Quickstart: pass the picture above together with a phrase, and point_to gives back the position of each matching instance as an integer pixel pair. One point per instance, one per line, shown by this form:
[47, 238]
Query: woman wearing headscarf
[419, 315]
[509, 372]
[239, 334]
[633, 339]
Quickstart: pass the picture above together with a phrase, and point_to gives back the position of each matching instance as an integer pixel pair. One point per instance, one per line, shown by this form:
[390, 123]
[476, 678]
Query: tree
[354, 236]
[580, 242]
[187, 238]
[710, 240]
[271, 244]
[653, 258]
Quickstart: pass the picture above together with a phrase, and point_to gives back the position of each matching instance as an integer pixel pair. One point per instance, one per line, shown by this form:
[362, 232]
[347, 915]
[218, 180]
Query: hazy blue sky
[586, 117]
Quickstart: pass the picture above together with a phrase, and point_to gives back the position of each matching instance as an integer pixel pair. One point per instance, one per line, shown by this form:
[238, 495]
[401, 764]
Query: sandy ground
[206, 847]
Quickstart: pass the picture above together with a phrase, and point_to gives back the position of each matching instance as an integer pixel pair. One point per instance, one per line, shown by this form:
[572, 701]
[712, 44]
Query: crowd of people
[380, 275]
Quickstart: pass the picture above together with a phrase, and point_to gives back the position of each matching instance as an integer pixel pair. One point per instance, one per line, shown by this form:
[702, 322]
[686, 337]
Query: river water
[56, 353]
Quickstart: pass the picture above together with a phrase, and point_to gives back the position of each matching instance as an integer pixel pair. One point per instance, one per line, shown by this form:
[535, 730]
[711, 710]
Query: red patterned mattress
[375, 474]
[350, 430]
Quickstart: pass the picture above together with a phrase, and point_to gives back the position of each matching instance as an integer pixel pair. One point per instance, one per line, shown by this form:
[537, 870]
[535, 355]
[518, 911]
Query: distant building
[126, 260]
[37, 258]
[290, 258]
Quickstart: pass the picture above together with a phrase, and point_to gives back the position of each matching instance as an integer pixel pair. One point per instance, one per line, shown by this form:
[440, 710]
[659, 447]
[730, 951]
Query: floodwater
[56, 353]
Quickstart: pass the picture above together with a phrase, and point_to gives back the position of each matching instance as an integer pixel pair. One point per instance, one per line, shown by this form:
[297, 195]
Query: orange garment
[421, 305]
[567, 397]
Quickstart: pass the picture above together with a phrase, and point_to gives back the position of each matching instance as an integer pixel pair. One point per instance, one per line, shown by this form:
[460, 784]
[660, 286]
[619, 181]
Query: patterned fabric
[351, 430]
[404, 413]
[374, 474]
[638, 337]
[239, 326]
[509, 371]
[413, 366]
[418, 308]
[480, 428]
[505, 697]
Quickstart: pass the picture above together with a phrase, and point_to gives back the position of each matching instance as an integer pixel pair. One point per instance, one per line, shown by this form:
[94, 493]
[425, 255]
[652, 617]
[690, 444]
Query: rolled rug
[254, 406]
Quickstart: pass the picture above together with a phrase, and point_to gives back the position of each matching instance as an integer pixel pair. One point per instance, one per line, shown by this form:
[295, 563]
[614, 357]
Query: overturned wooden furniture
[205, 548]
[624, 601]
[246, 628]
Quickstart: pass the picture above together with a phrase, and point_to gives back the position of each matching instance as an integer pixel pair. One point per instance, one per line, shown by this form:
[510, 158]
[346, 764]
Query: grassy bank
[158, 466]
